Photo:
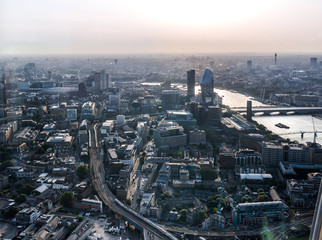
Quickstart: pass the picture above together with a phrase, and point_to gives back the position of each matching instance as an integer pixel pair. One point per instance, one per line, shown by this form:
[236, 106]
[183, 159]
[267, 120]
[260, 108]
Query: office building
[256, 213]
[182, 117]
[207, 88]
[169, 134]
[82, 90]
[248, 161]
[88, 111]
[191, 81]
[313, 62]
[170, 100]
[249, 65]
[71, 115]
[249, 110]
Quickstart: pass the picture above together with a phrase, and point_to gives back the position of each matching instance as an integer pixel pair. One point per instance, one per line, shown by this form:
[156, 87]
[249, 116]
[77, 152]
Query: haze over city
[163, 120]
[131, 27]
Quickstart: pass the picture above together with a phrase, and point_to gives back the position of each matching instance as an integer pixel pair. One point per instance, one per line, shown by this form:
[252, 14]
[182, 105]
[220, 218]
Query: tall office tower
[3, 90]
[249, 65]
[313, 62]
[170, 100]
[249, 110]
[275, 58]
[115, 62]
[49, 75]
[107, 80]
[316, 230]
[207, 88]
[97, 80]
[191, 81]
[213, 116]
[82, 90]
[103, 80]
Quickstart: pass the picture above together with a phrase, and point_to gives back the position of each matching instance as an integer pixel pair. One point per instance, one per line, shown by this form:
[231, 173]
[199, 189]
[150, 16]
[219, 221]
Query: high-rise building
[49, 75]
[103, 80]
[97, 80]
[249, 110]
[249, 65]
[82, 90]
[170, 100]
[207, 87]
[191, 81]
[3, 90]
[313, 62]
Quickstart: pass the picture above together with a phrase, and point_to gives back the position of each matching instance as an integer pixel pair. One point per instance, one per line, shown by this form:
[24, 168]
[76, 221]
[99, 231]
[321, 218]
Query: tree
[128, 202]
[25, 189]
[7, 163]
[208, 174]
[21, 198]
[201, 216]
[183, 214]
[66, 199]
[11, 212]
[179, 155]
[82, 171]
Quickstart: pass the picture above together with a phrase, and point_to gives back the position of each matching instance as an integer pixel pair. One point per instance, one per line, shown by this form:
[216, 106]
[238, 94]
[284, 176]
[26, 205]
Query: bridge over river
[281, 110]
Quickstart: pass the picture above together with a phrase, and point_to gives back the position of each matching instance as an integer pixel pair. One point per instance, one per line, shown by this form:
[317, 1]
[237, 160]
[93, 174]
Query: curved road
[98, 180]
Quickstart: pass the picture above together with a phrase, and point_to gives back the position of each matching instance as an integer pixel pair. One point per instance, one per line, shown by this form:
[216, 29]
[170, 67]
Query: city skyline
[134, 27]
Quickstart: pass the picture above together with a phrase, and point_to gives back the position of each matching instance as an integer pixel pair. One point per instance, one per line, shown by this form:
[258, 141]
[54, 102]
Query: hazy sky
[159, 26]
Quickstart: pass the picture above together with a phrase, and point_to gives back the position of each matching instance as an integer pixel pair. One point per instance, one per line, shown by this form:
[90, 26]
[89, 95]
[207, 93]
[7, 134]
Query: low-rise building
[92, 205]
[27, 216]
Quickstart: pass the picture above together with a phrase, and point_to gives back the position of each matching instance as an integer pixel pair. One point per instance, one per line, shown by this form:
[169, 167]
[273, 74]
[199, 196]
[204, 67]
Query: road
[98, 180]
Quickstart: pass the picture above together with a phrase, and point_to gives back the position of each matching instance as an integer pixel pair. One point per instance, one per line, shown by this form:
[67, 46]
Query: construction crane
[219, 205]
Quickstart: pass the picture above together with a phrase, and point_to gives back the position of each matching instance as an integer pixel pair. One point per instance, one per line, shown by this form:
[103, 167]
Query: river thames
[297, 123]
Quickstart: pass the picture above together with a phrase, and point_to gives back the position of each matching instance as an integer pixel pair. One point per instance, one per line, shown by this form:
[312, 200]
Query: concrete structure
[107, 127]
[88, 111]
[170, 100]
[27, 216]
[92, 205]
[249, 110]
[169, 134]
[182, 117]
[71, 115]
[255, 213]
[207, 87]
[148, 200]
[248, 161]
[191, 82]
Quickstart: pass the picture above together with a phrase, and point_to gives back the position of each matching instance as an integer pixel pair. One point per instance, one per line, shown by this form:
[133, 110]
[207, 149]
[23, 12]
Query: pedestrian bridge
[281, 110]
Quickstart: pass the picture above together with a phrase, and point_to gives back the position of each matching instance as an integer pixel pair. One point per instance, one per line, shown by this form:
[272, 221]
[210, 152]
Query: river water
[297, 123]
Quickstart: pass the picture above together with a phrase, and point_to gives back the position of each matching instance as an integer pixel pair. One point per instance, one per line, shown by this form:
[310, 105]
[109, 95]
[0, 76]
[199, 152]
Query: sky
[160, 26]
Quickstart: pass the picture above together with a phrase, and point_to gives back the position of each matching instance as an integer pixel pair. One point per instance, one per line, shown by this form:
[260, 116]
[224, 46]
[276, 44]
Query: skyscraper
[249, 65]
[103, 80]
[170, 100]
[82, 90]
[207, 88]
[191, 81]
[3, 90]
[313, 62]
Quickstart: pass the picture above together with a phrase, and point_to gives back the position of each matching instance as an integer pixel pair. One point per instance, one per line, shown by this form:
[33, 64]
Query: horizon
[99, 27]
